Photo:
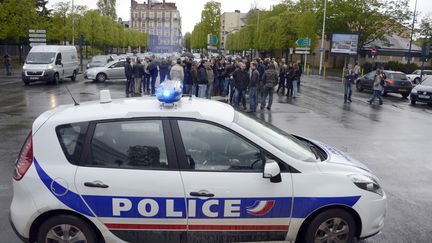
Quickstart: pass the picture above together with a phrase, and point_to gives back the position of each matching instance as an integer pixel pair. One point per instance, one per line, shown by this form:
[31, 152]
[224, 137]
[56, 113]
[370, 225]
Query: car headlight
[366, 183]
[24, 67]
[50, 66]
[414, 91]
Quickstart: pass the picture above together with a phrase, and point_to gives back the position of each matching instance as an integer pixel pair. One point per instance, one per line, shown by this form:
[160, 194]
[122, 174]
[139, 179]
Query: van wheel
[334, 225]
[100, 77]
[66, 228]
[74, 75]
[56, 78]
[359, 87]
[26, 83]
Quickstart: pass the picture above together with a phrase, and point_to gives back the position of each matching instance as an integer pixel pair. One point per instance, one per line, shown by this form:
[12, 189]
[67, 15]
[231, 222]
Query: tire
[416, 81]
[56, 226]
[101, 77]
[26, 83]
[56, 79]
[359, 87]
[405, 95]
[413, 102]
[346, 227]
[74, 75]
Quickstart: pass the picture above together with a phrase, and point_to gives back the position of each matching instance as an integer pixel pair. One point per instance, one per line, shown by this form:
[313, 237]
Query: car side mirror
[272, 171]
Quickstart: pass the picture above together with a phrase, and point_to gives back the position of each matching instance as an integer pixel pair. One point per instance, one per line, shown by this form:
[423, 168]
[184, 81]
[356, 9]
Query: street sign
[37, 35]
[426, 49]
[37, 44]
[37, 39]
[212, 40]
[302, 52]
[302, 49]
[213, 48]
[303, 42]
[37, 31]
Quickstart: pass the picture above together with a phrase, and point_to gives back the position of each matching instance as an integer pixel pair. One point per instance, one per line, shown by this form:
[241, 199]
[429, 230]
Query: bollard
[324, 72]
[308, 70]
[343, 71]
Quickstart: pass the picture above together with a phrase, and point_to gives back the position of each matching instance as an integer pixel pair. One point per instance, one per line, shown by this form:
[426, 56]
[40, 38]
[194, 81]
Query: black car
[422, 92]
[396, 82]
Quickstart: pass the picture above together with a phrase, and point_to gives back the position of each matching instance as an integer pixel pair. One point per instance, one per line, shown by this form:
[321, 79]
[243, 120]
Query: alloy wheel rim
[333, 230]
[65, 233]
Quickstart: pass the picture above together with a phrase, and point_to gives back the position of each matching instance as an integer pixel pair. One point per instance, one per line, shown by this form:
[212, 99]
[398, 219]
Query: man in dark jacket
[202, 80]
[129, 76]
[270, 79]
[153, 70]
[138, 72]
[253, 84]
[241, 82]
[163, 70]
[187, 84]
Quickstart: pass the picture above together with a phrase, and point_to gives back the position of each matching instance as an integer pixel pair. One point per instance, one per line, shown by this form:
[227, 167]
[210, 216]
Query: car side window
[211, 148]
[119, 64]
[71, 137]
[129, 145]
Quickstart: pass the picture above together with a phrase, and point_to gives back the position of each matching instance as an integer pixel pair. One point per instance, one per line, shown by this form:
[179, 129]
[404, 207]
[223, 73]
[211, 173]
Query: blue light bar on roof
[169, 91]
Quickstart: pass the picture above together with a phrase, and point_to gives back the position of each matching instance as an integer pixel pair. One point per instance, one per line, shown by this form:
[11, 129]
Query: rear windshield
[397, 76]
[71, 138]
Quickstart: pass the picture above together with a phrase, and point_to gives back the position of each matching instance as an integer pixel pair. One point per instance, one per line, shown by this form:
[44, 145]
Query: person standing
[270, 79]
[282, 75]
[378, 86]
[138, 72]
[357, 70]
[177, 71]
[153, 70]
[202, 80]
[129, 76]
[219, 75]
[163, 70]
[241, 82]
[210, 78]
[349, 79]
[194, 75]
[7, 63]
[289, 79]
[146, 77]
[295, 79]
[253, 85]
[187, 84]
[300, 68]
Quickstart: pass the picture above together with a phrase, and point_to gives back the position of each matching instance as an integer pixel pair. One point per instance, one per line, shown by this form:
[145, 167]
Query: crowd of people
[242, 82]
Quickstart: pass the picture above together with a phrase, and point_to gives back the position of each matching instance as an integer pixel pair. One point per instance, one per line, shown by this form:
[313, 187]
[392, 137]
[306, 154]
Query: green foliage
[210, 24]
[107, 8]
[187, 41]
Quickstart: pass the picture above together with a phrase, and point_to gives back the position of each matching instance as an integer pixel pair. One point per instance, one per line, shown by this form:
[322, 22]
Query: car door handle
[97, 184]
[201, 194]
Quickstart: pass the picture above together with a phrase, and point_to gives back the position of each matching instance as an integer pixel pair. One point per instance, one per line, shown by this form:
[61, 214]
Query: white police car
[130, 170]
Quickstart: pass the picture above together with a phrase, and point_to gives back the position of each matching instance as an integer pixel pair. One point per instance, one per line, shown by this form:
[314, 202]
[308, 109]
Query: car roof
[195, 108]
[391, 71]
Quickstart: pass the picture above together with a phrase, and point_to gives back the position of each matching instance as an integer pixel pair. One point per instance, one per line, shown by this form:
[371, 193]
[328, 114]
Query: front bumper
[372, 210]
[47, 75]
[398, 89]
[89, 76]
[415, 97]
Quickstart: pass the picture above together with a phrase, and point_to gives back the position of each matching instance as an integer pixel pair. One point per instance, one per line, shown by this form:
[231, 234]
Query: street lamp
[322, 39]
[412, 33]
[73, 27]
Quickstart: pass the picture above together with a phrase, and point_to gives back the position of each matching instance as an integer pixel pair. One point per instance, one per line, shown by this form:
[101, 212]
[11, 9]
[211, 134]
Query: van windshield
[40, 57]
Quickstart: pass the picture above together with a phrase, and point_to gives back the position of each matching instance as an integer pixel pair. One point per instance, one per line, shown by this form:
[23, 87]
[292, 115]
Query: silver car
[112, 70]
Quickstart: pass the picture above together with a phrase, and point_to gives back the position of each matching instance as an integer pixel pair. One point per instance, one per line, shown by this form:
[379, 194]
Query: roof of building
[154, 5]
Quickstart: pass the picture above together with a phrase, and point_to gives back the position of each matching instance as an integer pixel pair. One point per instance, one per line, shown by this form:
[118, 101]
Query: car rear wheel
[334, 225]
[359, 87]
[100, 77]
[74, 75]
[405, 95]
[65, 228]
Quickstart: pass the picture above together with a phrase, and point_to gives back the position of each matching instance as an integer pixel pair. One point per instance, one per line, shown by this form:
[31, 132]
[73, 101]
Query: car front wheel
[66, 228]
[405, 95]
[74, 75]
[413, 102]
[101, 77]
[359, 87]
[334, 225]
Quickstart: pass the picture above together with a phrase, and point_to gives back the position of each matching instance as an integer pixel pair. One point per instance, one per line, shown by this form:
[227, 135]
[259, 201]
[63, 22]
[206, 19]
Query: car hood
[36, 67]
[422, 88]
[336, 156]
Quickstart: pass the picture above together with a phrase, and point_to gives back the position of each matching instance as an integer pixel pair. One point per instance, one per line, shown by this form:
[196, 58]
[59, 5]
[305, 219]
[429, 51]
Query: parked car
[50, 64]
[415, 76]
[396, 82]
[99, 61]
[422, 92]
[112, 70]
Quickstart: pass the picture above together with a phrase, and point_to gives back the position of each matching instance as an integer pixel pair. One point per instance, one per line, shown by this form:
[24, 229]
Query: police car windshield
[283, 141]
[40, 57]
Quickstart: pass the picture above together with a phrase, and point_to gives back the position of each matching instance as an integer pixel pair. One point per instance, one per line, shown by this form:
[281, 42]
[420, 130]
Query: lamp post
[73, 24]
[322, 39]
[412, 33]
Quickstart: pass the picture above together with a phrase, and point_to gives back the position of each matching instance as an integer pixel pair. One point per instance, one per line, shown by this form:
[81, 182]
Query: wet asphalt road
[394, 140]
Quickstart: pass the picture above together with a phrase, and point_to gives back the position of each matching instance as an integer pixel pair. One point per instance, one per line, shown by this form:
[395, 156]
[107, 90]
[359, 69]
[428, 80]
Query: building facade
[161, 20]
[230, 23]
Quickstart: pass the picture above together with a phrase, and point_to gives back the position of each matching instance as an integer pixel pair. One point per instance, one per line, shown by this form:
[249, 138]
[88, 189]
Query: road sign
[37, 31]
[302, 49]
[37, 44]
[426, 49]
[37, 39]
[37, 35]
[213, 48]
[303, 42]
[212, 40]
[302, 52]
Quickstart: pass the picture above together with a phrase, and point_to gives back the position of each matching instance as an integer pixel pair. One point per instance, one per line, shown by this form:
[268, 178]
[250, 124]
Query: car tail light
[389, 81]
[24, 160]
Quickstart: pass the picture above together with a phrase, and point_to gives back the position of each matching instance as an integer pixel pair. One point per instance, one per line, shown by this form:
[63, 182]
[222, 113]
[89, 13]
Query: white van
[50, 64]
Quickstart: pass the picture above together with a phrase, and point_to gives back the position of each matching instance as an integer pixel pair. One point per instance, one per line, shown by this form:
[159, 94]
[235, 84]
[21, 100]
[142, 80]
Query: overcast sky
[190, 10]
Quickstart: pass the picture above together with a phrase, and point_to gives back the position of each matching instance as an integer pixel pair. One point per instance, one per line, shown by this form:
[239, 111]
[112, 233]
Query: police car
[183, 169]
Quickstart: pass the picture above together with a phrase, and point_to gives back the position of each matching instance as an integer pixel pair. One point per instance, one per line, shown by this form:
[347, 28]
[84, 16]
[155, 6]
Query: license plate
[424, 96]
[34, 78]
[402, 90]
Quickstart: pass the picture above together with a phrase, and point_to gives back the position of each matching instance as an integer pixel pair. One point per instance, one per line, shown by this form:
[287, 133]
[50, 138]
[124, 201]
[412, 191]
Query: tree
[210, 18]
[107, 8]
[187, 41]
[41, 8]
[425, 28]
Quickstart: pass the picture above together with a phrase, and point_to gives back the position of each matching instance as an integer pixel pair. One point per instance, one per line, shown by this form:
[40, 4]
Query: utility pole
[322, 39]
[73, 24]
[412, 33]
